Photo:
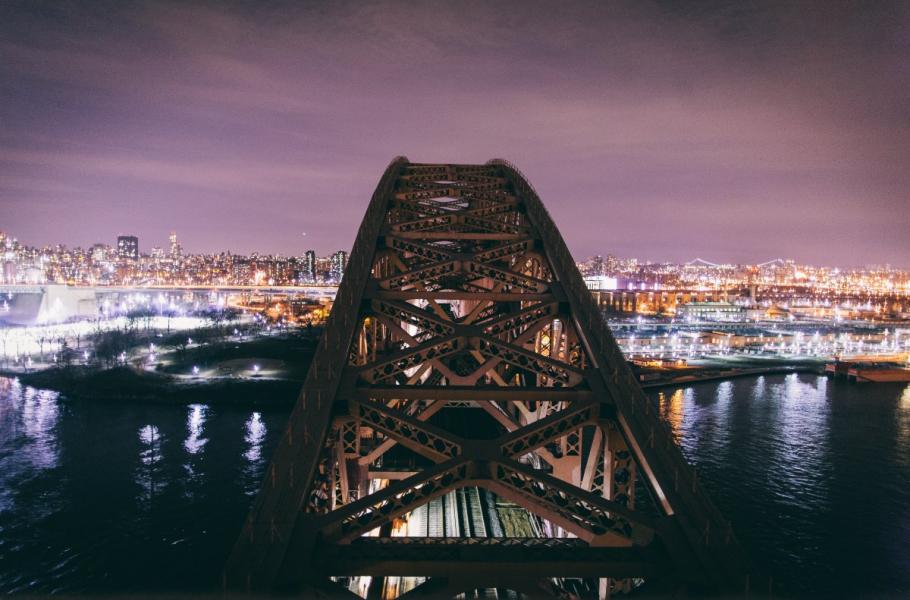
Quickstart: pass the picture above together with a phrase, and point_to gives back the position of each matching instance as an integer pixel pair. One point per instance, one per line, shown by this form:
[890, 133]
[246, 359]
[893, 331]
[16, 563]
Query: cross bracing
[558, 477]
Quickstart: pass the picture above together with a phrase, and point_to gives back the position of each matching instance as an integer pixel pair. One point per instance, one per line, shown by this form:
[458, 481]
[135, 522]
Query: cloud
[704, 108]
[203, 174]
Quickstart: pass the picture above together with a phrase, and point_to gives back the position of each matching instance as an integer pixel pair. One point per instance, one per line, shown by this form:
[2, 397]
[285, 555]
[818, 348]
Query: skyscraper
[339, 262]
[128, 247]
[309, 267]
[176, 250]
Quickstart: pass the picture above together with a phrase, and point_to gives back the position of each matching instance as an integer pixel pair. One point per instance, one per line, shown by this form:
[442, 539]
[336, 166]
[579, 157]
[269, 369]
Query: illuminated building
[175, 250]
[710, 311]
[619, 285]
[339, 262]
[309, 267]
[128, 247]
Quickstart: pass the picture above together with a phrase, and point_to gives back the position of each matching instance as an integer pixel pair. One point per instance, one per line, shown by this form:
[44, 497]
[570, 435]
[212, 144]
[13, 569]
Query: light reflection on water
[28, 418]
[195, 443]
[254, 435]
[806, 467]
[148, 473]
[812, 473]
[672, 409]
[119, 497]
[39, 414]
[902, 420]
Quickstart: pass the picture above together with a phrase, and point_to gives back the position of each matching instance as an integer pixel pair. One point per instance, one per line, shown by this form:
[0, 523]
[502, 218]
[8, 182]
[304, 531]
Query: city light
[123, 264]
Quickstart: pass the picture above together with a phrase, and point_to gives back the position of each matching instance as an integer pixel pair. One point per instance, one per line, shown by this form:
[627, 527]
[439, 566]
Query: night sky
[737, 131]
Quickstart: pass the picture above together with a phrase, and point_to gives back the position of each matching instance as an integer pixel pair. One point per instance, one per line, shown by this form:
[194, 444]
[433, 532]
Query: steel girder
[460, 292]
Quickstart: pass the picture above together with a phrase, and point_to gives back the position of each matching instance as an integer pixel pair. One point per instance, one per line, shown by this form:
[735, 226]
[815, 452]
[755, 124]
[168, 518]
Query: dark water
[96, 497]
[102, 498]
[814, 474]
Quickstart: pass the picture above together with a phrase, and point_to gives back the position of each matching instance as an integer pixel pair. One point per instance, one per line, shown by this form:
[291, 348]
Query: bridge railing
[661, 451]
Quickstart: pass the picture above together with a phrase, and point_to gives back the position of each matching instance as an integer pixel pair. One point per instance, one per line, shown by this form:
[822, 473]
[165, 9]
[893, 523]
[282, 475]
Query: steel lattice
[460, 294]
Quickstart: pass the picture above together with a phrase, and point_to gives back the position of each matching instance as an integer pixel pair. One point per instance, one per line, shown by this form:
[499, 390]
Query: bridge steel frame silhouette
[460, 291]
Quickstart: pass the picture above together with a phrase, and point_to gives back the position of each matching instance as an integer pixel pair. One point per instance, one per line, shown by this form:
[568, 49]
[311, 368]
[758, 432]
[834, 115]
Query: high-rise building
[176, 249]
[339, 262]
[309, 267]
[127, 247]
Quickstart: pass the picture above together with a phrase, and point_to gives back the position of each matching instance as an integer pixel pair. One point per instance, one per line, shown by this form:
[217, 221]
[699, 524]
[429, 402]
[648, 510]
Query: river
[104, 498]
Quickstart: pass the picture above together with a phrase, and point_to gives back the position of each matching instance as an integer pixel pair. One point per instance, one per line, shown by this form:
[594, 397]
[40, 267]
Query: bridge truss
[461, 294]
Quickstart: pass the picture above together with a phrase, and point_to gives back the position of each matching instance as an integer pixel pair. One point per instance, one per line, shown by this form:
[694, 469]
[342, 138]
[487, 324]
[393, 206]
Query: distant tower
[339, 262]
[128, 247]
[176, 250]
[309, 266]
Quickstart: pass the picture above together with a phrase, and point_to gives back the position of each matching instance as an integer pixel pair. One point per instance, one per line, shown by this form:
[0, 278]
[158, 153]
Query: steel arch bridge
[461, 294]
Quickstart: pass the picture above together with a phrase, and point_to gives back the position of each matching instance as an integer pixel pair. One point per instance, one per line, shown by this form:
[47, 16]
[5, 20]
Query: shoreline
[227, 374]
[122, 384]
[775, 370]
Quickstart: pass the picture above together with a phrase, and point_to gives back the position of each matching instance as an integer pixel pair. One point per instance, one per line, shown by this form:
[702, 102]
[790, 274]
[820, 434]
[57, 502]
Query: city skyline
[479, 299]
[146, 249]
[725, 131]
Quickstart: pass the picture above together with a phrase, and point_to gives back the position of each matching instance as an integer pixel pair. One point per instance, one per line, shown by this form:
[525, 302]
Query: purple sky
[735, 132]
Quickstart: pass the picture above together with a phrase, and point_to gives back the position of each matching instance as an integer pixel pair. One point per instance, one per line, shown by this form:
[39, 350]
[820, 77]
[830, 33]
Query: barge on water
[869, 372]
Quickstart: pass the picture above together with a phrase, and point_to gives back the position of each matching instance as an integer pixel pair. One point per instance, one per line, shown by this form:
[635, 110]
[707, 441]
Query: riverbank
[125, 384]
[260, 371]
[731, 374]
